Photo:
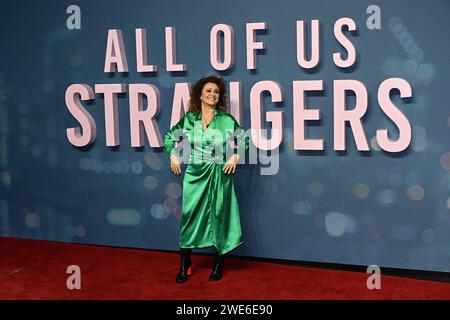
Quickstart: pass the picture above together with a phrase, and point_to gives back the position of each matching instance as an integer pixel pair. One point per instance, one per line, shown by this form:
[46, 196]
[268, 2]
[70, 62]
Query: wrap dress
[210, 211]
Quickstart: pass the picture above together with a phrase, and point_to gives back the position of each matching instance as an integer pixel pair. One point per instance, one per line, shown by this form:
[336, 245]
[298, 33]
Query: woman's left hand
[230, 166]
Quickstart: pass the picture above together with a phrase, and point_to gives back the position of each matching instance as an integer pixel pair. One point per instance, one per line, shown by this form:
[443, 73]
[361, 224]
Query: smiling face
[210, 94]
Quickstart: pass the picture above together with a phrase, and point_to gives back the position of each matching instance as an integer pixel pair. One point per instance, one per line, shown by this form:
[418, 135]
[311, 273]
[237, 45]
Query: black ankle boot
[216, 273]
[185, 265]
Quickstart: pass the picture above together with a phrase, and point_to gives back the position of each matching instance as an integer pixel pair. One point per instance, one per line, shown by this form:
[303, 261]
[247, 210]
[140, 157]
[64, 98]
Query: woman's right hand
[175, 165]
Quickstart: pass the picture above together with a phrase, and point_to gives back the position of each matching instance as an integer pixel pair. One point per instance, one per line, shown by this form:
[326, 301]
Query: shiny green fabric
[210, 211]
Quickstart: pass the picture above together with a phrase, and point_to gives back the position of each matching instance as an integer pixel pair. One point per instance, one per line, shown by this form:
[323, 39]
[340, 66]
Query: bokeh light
[107, 167]
[136, 167]
[413, 67]
[32, 220]
[410, 66]
[153, 161]
[313, 201]
[361, 190]
[97, 165]
[406, 39]
[174, 190]
[415, 192]
[399, 30]
[375, 231]
[150, 182]
[387, 197]
[337, 224]
[158, 212]
[445, 161]
[177, 211]
[116, 167]
[416, 53]
[301, 207]
[316, 188]
[394, 22]
[425, 71]
[125, 167]
[392, 66]
[80, 231]
[170, 205]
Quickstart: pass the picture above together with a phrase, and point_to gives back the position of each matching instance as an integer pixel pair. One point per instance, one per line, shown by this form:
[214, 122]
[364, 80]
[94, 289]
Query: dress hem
[212, 245]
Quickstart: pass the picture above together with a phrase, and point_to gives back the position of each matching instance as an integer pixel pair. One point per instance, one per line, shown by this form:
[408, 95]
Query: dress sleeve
[240, 139]
[175, 134]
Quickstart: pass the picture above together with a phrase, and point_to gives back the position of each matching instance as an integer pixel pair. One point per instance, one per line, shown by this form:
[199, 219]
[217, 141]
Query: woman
[210, 212]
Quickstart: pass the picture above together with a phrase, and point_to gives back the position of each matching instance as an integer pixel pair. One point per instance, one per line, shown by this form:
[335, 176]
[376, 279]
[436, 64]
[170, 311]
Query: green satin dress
[210, 211]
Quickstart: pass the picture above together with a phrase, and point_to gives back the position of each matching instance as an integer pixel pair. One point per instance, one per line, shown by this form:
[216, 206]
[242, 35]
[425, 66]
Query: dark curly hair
[195, 104]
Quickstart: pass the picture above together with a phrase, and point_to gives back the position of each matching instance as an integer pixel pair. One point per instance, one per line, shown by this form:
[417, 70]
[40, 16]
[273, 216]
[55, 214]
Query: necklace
[205, 122]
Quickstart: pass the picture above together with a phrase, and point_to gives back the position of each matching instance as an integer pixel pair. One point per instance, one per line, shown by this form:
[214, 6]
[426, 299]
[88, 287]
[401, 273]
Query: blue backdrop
[392, 210]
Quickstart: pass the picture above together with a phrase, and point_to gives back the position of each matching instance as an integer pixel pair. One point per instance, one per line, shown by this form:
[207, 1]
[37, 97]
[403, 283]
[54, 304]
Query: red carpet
[31, 269]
